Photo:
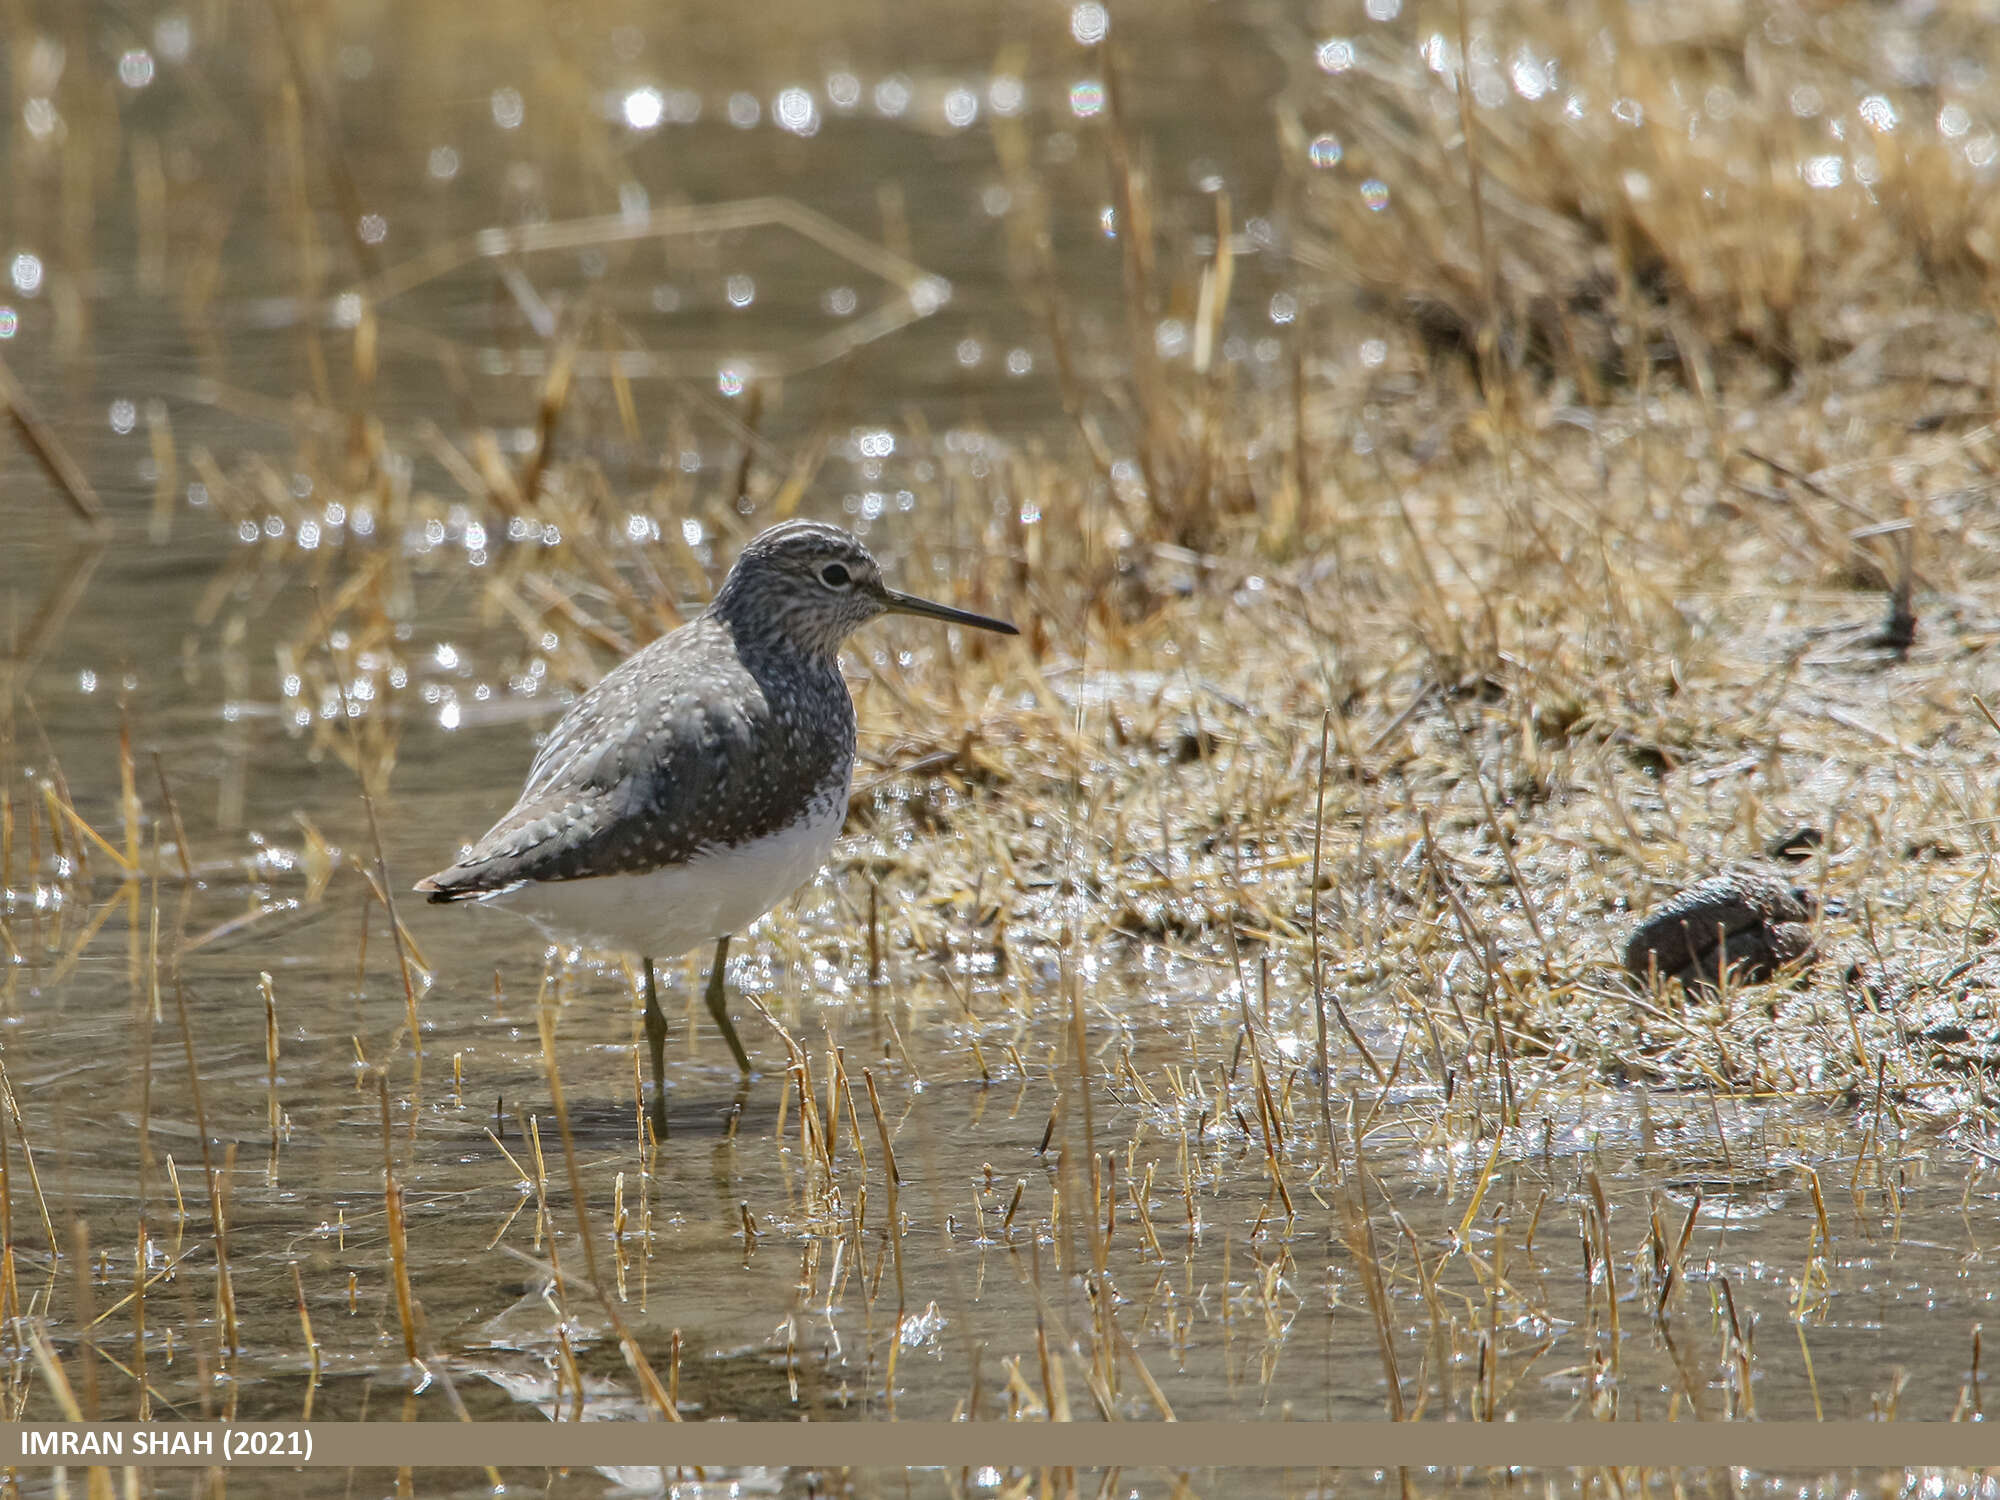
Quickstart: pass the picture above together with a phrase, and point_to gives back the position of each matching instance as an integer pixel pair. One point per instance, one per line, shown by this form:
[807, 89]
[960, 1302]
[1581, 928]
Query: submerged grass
[1231, 968]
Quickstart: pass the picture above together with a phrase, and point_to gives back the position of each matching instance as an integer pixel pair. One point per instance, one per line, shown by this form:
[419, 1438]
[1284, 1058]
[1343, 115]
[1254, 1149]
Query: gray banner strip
[1808, 1446]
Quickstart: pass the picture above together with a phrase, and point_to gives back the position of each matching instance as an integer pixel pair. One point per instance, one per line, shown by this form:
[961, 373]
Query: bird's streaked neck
[773, 620]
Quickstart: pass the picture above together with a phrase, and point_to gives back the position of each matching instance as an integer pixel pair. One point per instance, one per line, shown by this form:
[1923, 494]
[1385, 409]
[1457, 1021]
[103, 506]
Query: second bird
[705, 778]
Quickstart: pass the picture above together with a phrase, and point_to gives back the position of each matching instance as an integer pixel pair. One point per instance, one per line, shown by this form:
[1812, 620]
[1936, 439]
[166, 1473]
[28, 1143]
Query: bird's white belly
[667, 912]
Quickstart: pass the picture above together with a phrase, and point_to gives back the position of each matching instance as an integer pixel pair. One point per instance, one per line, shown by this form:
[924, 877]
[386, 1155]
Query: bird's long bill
[910, 604]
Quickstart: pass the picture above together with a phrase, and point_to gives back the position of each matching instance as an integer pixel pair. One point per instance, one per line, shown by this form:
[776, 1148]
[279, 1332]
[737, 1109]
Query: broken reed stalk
[1603, 1216]
[875, 931]
[383, 887]
[218, 1223]
[555, 396]
[174, 819]
[55, 459]
[53, 1374]
[399, 1249]
[147, 1019]
[86, 1312]
[1318, 971]
[1360, 1235]
[312, 1344]
[272, 1114]
[894, 1180]
[1270, 1124]
[128, 799]
[635, 1357]
[138, 1300]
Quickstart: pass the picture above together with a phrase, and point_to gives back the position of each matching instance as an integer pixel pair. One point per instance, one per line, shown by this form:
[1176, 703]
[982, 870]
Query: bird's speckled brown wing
[680, 749]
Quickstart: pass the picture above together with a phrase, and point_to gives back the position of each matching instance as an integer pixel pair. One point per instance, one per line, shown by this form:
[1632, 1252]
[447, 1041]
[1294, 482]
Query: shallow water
[195, 633]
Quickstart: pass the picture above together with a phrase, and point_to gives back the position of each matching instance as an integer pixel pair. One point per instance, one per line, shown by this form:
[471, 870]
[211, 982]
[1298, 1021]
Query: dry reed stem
[211, 1179]
[55, 459]
[399, 1250]
[181, 851]
[635, 1357]
[380, 875]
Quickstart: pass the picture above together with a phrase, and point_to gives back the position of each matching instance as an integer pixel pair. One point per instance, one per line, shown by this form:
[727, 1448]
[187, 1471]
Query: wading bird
[704, 779]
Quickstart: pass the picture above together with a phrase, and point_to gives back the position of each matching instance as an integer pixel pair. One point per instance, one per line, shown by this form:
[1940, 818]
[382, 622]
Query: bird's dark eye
[835, 576]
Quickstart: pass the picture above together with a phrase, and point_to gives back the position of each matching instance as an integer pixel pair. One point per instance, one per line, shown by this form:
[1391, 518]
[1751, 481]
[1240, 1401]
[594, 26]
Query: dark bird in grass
[704, 779]
[1748, 923]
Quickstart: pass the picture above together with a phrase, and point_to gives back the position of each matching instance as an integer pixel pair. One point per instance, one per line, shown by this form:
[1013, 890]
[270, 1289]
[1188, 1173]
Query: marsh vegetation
[1464, 475]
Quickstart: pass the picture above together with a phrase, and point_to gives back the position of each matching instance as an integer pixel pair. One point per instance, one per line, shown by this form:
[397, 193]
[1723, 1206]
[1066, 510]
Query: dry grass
[1585, 534]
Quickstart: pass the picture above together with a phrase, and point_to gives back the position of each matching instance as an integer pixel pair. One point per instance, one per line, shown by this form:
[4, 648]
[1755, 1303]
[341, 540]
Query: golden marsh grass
[1451, 506]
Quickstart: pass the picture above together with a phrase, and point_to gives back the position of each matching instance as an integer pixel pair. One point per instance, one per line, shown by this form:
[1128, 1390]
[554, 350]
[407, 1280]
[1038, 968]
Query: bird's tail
[455, 884]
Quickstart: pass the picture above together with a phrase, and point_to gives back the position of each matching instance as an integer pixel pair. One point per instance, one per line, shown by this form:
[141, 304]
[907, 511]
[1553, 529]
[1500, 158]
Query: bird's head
[813, 585]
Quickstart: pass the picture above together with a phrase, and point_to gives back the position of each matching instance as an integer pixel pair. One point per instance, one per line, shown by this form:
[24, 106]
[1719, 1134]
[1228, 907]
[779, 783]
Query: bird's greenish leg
[656, 1044]
[718, 1006]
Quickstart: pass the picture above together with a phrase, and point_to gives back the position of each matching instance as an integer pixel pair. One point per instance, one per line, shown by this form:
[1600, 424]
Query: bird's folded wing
[656, 794]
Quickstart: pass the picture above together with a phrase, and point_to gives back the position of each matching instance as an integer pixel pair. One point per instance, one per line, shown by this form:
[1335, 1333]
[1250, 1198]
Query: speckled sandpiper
[705, 778]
